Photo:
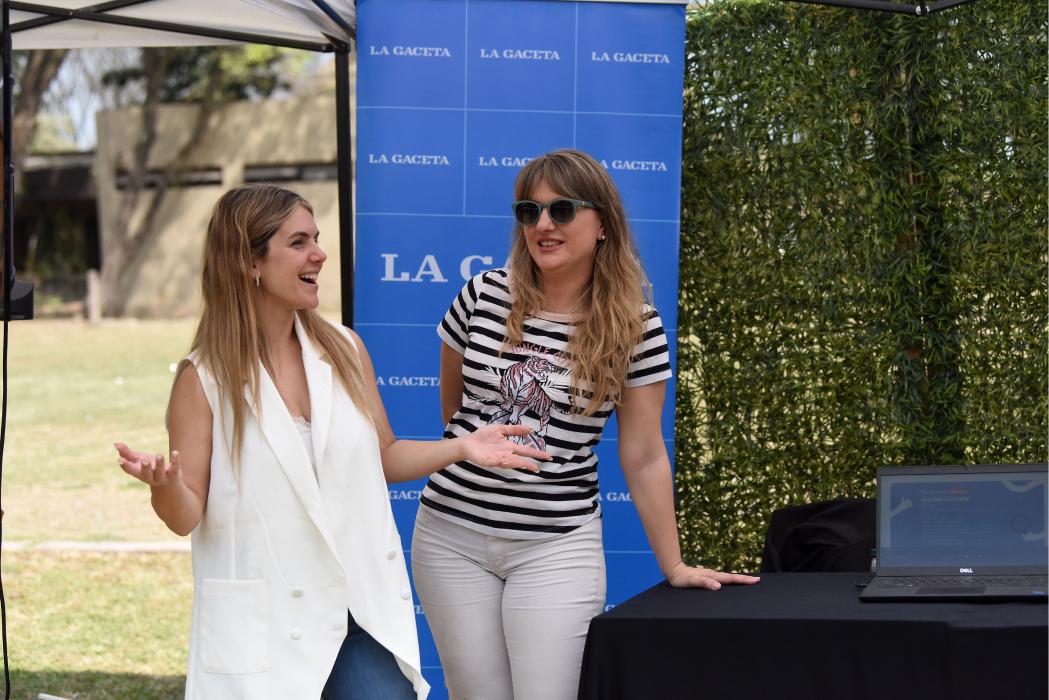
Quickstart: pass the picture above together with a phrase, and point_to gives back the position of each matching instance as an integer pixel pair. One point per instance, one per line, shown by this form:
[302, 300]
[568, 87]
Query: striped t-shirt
[529, 384]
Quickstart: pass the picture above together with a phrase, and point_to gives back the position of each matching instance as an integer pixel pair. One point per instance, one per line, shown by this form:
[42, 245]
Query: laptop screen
[962, 520]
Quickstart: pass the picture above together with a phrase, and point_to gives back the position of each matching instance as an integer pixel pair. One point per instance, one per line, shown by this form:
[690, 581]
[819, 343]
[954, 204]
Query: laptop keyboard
[958, 581]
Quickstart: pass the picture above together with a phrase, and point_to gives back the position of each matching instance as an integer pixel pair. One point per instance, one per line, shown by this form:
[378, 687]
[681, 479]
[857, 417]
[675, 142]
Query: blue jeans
[365, 670]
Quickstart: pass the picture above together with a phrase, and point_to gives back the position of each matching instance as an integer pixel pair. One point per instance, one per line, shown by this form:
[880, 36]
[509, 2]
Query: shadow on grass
[95, 685]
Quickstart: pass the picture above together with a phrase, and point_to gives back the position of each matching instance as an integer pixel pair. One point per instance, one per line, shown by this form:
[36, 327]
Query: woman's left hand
[490, 446]
[685, 576]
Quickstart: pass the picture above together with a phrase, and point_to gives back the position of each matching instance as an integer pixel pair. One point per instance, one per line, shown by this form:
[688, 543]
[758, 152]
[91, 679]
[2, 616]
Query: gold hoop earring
[257, 278]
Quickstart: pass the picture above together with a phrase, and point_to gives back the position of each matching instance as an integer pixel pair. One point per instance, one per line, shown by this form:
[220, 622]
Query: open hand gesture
[149, 467]
[489, 446]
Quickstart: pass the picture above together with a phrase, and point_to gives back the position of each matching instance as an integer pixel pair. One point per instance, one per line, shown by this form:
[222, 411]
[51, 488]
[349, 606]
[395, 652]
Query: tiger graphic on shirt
[524, 387]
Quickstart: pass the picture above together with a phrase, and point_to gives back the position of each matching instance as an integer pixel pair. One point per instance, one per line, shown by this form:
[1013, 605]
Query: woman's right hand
[149, 467]
[491, 446]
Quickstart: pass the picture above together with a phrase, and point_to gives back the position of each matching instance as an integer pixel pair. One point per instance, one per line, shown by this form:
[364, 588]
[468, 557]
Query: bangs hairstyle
[612, 304]
[228, 338]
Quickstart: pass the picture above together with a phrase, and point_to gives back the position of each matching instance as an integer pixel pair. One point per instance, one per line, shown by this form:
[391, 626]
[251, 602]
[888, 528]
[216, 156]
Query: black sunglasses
[562, 210]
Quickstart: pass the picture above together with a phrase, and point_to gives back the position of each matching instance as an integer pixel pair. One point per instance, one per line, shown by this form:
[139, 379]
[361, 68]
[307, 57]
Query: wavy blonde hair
[612, 306]
[228, 338]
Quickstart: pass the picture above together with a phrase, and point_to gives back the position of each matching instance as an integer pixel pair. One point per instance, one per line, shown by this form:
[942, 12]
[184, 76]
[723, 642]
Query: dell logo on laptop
[963, 570]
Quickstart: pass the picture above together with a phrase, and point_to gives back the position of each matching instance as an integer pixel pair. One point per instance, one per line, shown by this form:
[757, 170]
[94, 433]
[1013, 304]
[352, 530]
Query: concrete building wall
[238, 139]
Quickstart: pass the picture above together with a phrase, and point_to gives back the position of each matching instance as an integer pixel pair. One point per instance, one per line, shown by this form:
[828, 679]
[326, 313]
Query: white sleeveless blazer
[281, 554]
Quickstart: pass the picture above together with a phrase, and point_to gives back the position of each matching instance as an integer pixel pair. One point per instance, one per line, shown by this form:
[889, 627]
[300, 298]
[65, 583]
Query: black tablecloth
[807, 636]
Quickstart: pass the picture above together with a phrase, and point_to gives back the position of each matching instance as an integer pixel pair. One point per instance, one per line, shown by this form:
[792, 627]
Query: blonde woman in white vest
[280, 453]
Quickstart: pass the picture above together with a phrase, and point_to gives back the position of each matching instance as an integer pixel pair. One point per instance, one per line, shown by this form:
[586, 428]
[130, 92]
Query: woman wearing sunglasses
[509, 565]
[280, 455]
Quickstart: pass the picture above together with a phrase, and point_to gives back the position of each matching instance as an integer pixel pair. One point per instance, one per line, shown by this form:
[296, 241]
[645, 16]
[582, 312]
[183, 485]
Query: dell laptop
[972, 532]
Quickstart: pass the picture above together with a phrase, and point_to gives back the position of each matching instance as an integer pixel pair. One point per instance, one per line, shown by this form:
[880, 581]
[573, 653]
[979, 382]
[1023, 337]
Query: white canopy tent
[313, 25]
[83, 24]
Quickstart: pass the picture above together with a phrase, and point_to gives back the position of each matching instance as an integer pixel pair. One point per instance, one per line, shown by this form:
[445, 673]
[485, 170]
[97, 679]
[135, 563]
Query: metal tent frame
[919, 9]
[20, 293]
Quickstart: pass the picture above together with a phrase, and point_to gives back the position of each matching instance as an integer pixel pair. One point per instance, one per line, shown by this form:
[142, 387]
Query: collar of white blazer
[283, 437]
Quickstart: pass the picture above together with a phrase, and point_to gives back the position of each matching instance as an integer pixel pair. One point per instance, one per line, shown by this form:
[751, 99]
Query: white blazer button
[296, 633]
[296, 592]
[406, 594]
[391, 554]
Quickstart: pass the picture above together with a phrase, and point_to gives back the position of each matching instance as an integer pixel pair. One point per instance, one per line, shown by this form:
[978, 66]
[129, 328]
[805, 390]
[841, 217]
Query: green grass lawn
[74, 390]
[97, 625]
[80, 624]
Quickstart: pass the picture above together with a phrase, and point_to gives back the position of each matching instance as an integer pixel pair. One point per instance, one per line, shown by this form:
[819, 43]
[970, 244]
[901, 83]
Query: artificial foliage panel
[863, 255]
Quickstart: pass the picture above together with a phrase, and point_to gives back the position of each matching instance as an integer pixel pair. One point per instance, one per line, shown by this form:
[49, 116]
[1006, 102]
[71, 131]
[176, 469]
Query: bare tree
[127, 243]
[201, 76]
[39, 71]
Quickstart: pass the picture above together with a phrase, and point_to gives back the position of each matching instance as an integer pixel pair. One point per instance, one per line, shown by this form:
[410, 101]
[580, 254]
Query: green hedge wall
[863, 254]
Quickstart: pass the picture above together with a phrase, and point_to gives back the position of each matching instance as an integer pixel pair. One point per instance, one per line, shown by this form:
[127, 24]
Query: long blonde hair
[612, 305]
[228, 338]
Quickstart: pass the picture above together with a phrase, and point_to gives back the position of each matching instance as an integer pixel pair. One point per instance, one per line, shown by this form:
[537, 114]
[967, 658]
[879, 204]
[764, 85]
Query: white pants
[509, 616]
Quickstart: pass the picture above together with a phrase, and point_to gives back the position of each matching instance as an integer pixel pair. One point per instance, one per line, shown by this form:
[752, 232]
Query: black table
[807, 636]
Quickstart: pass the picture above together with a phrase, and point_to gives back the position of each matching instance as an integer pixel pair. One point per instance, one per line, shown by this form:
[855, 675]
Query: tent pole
[8, 265]
[8, 272]
[344, 168]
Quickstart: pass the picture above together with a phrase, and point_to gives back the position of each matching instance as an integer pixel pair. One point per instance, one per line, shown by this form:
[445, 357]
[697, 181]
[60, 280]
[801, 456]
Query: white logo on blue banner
[453, 98]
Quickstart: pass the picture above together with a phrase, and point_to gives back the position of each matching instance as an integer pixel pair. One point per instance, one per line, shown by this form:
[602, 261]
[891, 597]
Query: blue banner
[453, 98]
